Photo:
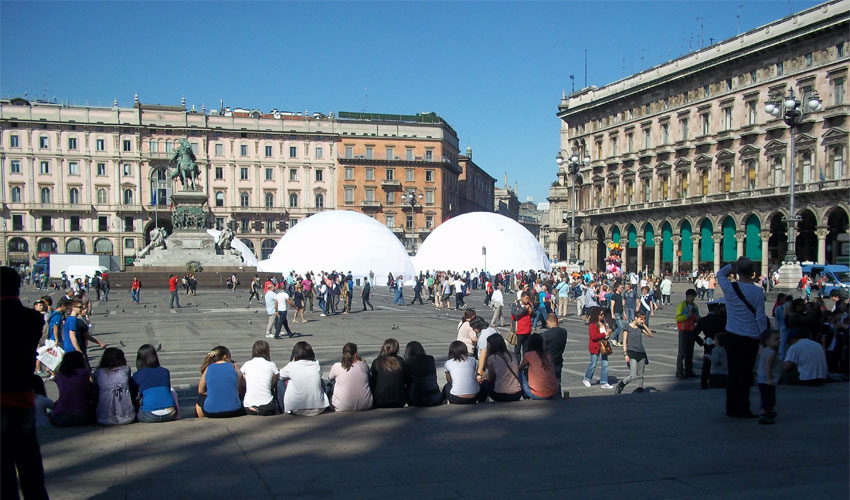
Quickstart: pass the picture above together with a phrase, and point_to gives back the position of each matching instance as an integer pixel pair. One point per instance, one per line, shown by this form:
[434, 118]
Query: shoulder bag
[752, 309]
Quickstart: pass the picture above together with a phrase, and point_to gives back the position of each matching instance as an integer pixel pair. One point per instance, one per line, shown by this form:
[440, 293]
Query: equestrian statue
[187, 169]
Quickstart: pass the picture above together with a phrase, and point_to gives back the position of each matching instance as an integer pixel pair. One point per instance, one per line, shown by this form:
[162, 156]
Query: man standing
[563, 289]
[417, 291]
[522, 316]
[398, 298]
[589, 299]
[281, 301]
[172, 287]
[616, 305]
[367, 289]
[554, 342]
[630, 302]
[271, 310]
[20, 329]
[104, 286]
[687, 315]
[745, 320]
[666, 288]
[498, 303]
[307, 290]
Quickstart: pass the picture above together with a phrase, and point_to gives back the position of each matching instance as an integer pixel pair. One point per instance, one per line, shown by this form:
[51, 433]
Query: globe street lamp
[574, 161]
[410, 197]
[792, 110]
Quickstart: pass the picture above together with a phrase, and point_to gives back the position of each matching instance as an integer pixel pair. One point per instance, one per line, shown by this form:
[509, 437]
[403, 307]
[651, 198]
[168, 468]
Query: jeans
[323, 304]
[308, 299]
[711, 294]
[134, 294]
[281, 322]
[151, 418]
[366, 302]
[19, 450]
[541, 315]
[685, 356]
[521, 344]
[459, 300]
[630, 314]
[523, 381]
[783, 341]
[620, 326]
[417, 296]
[592, 368]
[636, 369]
[398, 298]
[173, 298]
[768, 397]
[741, 354]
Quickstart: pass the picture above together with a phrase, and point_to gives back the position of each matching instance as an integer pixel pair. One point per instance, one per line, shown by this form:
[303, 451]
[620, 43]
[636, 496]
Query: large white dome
[456, 245]
[339, 240]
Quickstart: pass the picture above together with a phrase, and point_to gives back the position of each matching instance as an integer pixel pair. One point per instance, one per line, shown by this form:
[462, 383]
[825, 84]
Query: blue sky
[495, 71]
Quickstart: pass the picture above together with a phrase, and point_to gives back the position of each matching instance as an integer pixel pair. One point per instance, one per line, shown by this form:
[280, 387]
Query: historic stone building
[689, 170]
[475, 186]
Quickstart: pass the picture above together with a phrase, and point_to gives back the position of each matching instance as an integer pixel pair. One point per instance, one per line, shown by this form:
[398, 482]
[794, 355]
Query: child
[767, 370]
[42, 403]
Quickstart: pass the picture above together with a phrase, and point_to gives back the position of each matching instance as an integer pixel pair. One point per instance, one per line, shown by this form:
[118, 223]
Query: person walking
[417, 290]
[745, 322]
[367, 289]
[687, 315]
[666, 288]
[617, 309]
[563, 289]
[271, 310]
[597, 332]
[307, 287]
[497, 302]
[398, 288]
[135, 290]
[172, 287]
[255, 289]
[634, 352]
[282, 300]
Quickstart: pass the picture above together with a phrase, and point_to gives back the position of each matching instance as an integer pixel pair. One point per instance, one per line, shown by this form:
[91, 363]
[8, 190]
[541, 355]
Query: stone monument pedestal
[790, 274]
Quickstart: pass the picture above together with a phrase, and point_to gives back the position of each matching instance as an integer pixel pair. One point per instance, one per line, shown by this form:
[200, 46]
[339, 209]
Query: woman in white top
[299, 390]
[461, 384]
[350, 379]
[465, 333]
[260, 376]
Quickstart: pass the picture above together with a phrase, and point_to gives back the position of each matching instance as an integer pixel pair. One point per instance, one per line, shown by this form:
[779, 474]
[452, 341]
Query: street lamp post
[792, 110]
[574, 162]
[410, 197]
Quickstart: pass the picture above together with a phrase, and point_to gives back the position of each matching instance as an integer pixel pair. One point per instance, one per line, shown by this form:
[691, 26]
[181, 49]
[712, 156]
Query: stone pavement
[672, 442]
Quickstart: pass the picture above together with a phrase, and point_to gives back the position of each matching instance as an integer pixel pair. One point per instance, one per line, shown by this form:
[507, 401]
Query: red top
[523, 325]
[172, 284]
[595, 336]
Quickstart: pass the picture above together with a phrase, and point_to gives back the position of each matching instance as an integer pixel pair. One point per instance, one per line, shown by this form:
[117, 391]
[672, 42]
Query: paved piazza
[672, 442]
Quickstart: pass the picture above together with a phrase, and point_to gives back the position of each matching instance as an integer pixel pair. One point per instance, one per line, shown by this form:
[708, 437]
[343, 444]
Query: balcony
[255, 210]
[370, 205]
[127, 208]
[57, 207]
[391, 183]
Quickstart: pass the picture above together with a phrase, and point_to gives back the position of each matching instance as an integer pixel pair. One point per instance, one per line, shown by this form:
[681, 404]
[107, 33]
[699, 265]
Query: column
[695, 247]
[676, 241]
[765, 238]
[717, 237]
[739, 243]
[624, 243]
[656, 268]
[640, 241]
[821, 233]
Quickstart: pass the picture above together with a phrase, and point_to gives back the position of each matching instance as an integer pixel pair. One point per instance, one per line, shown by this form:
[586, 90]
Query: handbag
[511, 338]
[605, 347]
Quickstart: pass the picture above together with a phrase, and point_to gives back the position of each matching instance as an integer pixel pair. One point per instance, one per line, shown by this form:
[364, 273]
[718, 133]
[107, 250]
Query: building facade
[689, 171]
[93, 180]
[506, 201]
[475, 186]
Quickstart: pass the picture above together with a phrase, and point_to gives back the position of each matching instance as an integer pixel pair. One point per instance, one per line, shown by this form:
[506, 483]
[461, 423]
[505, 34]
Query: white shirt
[259, 373]
[810, 359]
[270, 296]
[281, 301]
[739, 319]
[497, 298]
[666, 285]
[304, 390]
[458, 284]
[463, 376]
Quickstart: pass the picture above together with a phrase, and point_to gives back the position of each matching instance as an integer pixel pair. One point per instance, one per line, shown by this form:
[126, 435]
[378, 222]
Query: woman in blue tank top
[220, 386]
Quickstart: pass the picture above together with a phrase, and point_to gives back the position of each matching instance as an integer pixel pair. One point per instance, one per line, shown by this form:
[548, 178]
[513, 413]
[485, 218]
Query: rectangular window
[839, 49]
[320, 175]
[613, 146]
[73, 168]
[127, 169]
[270, 226]
[18, 222]
[429, 221]
[429, 176]
[103, 223]
[349, 195]
[72, 143]
[243, 150]
[665, 133]
[128, 224]
[647, 139]
[100, 145]
[598, 149]
[219, 149]
[389, 197]
[16, 166]
[389, 153]
[101, 169]
[727, 118]
[43, 142]
[75, 223]
[129, 243]
[706, 123]
[704, 182]
[219, 223]
[243, 173]
[370, 152]
[726, 182]
[838, 91]
[153, 146]
[244, 225]
[169, 148]
[408, 154]
[293, 152]
[391, 221]
[293, 174]
[44, 167]
[408, 175]
[647, 189]
[389, 174]
[429, 197]
[349, 173]
[408, 222]
[751, 174]
[706, 91]
[219, 173]
[683, 124]
[429, 155]
[268, 151]
[349, 152]
[809, 60]
[13, 141]
[319, 153]
[754, 77]
[683, 185]
[630, 142]
[46, 223]
[752, 113]
[370, 194]
[269, 174]
[127, 145]
[370, 174]
[780, 68]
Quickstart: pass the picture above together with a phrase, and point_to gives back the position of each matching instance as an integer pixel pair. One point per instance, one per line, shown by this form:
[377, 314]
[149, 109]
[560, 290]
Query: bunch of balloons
[614, 261]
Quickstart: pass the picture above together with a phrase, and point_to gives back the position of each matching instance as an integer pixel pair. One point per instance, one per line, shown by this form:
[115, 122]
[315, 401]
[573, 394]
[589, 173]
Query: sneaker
[323, 315]
[270, 336]
[616, 343]
[765, 420]
[606, 385]
[585, 382]
[620, 387]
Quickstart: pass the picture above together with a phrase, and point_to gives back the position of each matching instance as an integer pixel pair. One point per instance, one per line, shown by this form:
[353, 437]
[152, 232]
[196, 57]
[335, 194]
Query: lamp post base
[789, 274]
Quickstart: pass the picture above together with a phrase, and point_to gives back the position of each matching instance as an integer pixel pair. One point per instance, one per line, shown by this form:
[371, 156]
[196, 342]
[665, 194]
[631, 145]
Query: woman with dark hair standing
[351, 382]
[461, 387]
[386, 377]
[540, 381]
[112, 378]
[220, 386]
[502, 383]
[299, 390]
[260, 375]
[420, 376]
[597, 332]
[153, 383]
[74, 406]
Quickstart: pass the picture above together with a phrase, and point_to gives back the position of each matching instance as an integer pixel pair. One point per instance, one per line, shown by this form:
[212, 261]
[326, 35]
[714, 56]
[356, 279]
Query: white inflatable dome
[456, 245]
[340, 240]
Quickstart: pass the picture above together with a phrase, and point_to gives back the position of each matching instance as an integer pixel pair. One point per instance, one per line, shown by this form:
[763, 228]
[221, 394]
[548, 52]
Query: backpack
[576, 292]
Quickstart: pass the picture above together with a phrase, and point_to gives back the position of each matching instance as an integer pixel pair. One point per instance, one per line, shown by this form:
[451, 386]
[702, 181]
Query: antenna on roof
[585, 68]
[573, 80]
[365, 99]
[701, 33]
[738, 17]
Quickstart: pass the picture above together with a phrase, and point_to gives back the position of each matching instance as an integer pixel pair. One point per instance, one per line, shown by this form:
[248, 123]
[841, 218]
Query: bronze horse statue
[187, 169]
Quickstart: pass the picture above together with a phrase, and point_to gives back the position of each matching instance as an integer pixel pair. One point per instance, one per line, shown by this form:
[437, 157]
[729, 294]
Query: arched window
[74, 196]
[219, 199]
[168, 146]
[103, 246]
[267, 248]
[320, 200]
[293, 200]
[101, 196]
[243, 199]
[47, 245]
[250, 245]
[75, 245]
[269, 200]
[45, 195]
[18, 245]
[128, 196]
[16, 194]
